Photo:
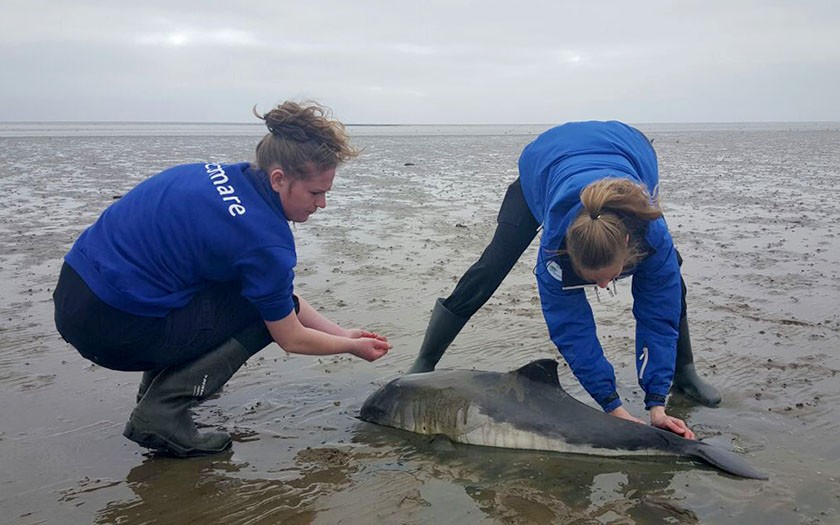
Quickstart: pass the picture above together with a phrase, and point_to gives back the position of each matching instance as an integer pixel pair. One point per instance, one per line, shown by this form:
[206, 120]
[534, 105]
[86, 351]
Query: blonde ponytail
[600, 235]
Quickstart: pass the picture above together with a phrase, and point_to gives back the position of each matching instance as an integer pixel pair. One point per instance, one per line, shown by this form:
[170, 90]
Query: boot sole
[154, 441]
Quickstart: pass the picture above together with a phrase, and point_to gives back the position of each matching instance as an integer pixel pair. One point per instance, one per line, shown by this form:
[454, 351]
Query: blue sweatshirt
[553, 170]
[183, 229]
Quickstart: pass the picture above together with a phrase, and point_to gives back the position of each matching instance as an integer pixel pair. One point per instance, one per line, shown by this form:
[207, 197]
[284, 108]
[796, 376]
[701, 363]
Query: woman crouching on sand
[592, 188]
[192, 272]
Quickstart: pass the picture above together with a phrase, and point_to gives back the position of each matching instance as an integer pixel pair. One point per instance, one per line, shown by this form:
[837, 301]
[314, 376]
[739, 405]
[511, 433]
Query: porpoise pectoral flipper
[527, 409]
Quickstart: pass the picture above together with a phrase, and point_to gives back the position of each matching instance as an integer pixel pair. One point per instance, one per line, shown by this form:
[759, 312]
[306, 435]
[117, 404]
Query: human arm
[311, 333]
[269, 287]
[657, 297]
[572, 329]
[311, 318]
[656, 306]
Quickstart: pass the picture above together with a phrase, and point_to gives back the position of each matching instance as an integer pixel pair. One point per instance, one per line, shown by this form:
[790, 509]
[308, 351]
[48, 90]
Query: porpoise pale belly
[467, 424]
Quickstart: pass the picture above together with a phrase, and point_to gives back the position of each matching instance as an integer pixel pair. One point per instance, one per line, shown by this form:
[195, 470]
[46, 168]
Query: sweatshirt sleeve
[572, 328]
[656, 307]
[267, 276]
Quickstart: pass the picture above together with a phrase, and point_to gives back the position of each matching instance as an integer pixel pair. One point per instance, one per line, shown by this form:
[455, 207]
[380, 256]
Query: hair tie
[594, 216]
[287, 132]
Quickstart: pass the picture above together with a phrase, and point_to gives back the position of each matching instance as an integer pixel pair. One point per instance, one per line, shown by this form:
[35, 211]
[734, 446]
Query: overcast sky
[515, 61]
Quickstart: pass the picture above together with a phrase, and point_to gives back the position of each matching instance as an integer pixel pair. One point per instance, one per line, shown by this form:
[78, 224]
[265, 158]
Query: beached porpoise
[526, 409]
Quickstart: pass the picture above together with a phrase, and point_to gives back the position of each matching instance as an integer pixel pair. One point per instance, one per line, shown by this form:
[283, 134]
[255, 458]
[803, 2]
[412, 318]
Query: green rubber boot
[686, 379]
[442, 329]
[162, 420]
[146, 380]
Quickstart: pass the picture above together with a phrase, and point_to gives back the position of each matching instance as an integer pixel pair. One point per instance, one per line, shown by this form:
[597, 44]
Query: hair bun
[284, 130]
[302, 135]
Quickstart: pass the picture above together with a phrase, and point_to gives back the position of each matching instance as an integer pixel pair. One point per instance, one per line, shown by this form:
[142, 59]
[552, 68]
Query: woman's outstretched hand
[660, 419]
[369, 346]
[356, 333]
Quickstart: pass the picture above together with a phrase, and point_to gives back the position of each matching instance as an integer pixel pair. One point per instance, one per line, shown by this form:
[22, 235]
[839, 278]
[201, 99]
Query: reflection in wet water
[538, 487]
[209, 490]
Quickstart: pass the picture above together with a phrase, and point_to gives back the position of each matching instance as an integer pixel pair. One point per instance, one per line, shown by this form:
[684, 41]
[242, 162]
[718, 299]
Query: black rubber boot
[162, 419]
[686, 379]
[442, 329]
[148, 376]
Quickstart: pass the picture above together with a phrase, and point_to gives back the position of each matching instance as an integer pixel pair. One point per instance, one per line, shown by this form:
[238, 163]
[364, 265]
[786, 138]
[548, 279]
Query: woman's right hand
[660, 419]
[370, 348]
[622, 413]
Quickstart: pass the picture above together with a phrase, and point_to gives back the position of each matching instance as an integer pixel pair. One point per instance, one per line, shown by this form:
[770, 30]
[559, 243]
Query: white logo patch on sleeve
[644, 359]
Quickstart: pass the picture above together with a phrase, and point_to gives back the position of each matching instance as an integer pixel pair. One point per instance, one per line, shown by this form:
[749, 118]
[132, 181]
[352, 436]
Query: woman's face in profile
[302, 197]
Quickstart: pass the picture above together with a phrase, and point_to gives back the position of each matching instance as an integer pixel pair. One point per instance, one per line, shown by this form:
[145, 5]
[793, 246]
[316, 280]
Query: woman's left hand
[660, 419]
[356, 333]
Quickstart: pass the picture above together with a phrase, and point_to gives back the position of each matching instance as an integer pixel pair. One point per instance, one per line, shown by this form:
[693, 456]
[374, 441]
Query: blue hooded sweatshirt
[183, 229]
[553, 170]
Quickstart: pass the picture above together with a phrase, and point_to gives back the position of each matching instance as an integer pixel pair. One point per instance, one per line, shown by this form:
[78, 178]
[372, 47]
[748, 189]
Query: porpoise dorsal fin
[540, 371]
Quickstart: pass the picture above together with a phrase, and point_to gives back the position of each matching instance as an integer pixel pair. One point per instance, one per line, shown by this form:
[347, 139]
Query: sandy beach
[753, 209]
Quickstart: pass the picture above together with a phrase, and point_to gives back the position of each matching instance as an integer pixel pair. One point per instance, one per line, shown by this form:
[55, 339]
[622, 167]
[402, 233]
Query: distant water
[114, 129]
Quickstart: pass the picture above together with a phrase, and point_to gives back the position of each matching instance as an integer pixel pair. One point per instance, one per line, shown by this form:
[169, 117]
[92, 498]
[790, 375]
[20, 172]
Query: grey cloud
[452, 61]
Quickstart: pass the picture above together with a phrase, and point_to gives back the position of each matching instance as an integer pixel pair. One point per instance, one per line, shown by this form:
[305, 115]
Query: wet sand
[754, 212]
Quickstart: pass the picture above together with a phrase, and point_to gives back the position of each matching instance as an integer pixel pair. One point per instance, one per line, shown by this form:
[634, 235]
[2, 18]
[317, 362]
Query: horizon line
[407, 124]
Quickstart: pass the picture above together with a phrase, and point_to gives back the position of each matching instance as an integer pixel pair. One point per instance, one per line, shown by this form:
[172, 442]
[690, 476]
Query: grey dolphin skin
[526, 409]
